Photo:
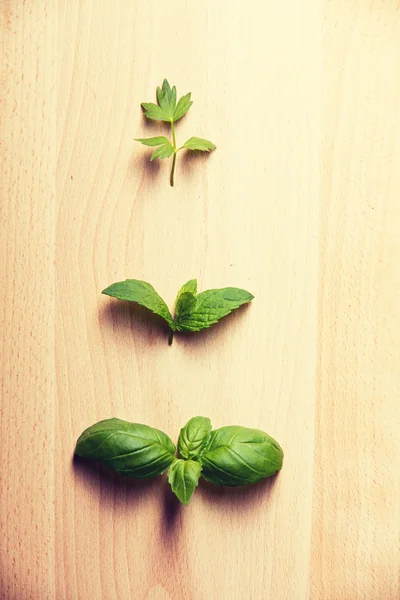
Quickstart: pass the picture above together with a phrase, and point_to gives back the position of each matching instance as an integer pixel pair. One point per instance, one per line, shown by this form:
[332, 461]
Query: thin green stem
[173, 135]
[171, 180]
[171, 337]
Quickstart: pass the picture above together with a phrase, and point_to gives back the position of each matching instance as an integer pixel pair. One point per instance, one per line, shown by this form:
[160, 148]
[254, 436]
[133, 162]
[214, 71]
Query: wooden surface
[299, 204]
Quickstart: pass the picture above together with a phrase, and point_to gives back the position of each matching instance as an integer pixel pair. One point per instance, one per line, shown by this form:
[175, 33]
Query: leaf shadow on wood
[172, 509]
[133, 323]
[191, 160]
[114, 489]
[240, 497]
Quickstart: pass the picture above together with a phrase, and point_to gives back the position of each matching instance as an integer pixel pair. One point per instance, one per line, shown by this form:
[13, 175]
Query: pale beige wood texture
[299, 204]
[356, 527]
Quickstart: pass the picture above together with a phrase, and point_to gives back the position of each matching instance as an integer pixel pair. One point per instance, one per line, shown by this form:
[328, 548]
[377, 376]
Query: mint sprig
[193, 312]
[170, 111]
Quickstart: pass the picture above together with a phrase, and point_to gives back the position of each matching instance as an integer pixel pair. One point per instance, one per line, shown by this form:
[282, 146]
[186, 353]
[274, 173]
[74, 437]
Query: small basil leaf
[238, 456]
[211, 306]
[183, 476]
[194, 437]
[142, 293]
[131, 449]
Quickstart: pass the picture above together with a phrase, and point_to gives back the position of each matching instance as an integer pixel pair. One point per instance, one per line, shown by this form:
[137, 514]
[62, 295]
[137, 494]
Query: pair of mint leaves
[193, 311]
[170, 111]
[229, 456]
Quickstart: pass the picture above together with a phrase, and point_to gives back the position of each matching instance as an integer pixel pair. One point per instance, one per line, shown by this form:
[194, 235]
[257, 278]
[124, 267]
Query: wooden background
[299, 204]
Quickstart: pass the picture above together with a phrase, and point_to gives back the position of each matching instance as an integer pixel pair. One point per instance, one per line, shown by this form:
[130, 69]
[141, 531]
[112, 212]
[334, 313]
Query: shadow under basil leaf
[172, 508]
[113, 487]
[125, 318]
[240, 497]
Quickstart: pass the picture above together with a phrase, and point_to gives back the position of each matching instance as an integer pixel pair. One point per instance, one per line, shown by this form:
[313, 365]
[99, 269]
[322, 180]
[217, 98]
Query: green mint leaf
[185, 305]
[211, 306]
[189, 286]
[194, 437]
[154, 112]
[183, 476]
[142, 293]
[193, 313]
[182, 107]
[166, 98]
[195, 143]
[163, 151]
[131, 449]
[153, 141]
[238, 456]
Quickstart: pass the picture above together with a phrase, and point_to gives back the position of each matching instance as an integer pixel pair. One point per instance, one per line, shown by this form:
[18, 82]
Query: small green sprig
[170, 111]
[229, 456]
[193, 311]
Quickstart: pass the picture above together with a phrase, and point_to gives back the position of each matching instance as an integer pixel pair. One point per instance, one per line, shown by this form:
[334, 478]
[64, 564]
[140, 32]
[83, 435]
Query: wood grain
[299, 204]
[356, 527]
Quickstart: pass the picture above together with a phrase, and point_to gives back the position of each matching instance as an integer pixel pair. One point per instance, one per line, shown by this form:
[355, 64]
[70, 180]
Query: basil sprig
[193, 311]
[229, 456]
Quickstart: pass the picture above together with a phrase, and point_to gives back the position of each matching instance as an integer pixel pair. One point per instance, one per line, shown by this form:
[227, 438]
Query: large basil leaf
[131, 449]
[183, 476]
[237, 456]
[194, 437]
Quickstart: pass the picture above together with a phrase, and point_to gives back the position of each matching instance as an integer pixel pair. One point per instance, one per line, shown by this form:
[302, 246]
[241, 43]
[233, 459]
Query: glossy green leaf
[211, 306]
[237, 456]
[194, 437]
[131, 449]
[142, 293]
[195, 143]
[183, 476]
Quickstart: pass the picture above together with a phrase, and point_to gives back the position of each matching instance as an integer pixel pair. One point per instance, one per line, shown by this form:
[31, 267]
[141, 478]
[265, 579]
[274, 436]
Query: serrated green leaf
[166, 98]
[195, 143]
[185, 304]
[154, 112]
[131, 449]
[237, 456]
[142, 293]
[182, 107]
[189, 286]
[194, 437]
[183, 476]
[211, 306]
[153, 141]
[163, 151]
